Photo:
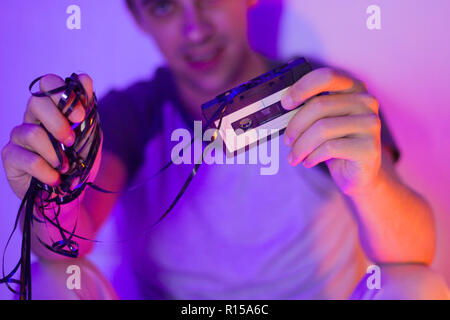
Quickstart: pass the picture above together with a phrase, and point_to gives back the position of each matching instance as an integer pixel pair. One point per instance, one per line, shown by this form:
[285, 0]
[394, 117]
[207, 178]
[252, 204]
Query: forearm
[89, 211]
[395, 223]
[71, 214]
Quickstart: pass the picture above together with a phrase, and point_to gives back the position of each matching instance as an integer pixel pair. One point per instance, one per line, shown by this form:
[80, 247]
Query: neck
[193, 98]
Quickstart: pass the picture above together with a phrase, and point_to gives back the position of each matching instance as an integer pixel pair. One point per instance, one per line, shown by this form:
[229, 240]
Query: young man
[237, 234]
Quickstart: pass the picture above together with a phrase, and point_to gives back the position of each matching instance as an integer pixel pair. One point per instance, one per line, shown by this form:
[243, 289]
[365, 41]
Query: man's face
[204, 41]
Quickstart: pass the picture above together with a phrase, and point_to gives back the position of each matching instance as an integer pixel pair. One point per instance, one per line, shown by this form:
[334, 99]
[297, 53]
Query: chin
[212, 86]
[212, 78]
[208, 84]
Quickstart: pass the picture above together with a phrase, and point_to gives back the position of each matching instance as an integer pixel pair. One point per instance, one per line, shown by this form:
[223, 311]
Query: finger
[52, 81]
[42, 110]
[319, 81]
[328, 106]
[88, 85]
[79, 111]
[352, 149]
[333, 128]
[19, 161]
[34, 138]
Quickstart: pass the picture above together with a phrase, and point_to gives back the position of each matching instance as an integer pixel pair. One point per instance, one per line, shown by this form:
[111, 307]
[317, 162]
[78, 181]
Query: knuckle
[37, 164]
[36, 106]
[377, 143]
[33, 104]
[34, 133]
[329, 147]
[373, 146]
[292, 128]
[326, 71]
[30, 101]
[374, 123]
[29, 110]
[14, 132]
[372, 102]
[363, 85]
[318, 104]
[5, 152]
[321, 127]
[329, 74]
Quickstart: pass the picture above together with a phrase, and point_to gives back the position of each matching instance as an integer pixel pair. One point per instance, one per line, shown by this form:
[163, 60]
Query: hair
[130, 5]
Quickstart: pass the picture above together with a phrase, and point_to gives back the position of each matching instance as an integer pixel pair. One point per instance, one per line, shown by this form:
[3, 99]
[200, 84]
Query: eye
[162, 8]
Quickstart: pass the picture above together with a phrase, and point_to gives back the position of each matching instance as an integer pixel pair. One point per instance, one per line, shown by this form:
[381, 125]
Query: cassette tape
[253, 109]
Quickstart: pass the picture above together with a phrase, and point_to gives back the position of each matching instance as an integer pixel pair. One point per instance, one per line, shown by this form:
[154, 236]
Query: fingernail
[287, 102]
[290, 159]
[306, 164]
[287, 140]
[70, 140]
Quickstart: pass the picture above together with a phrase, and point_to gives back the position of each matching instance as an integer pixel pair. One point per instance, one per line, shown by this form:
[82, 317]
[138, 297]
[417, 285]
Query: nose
[196, 27]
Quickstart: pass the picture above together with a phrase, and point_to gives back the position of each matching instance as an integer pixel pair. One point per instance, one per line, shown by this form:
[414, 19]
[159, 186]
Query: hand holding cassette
[326, 116]
[341, 129]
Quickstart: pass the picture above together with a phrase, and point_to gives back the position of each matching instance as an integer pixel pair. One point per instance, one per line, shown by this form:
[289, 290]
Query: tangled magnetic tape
[40, 198]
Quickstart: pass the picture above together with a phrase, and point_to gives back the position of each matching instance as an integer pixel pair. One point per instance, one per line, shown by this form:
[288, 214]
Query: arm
[89, 213]
[395, 223]
[343, 130]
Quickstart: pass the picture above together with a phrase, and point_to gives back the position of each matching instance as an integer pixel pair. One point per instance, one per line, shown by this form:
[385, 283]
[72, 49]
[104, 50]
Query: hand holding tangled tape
[61, 128]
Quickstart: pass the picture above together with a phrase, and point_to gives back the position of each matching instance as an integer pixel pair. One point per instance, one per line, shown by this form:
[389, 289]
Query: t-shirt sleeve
[387, 140]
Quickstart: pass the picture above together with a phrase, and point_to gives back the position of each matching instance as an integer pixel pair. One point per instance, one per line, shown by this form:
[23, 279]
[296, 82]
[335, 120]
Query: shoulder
[137, 107]
[141, 94]
[131, 117]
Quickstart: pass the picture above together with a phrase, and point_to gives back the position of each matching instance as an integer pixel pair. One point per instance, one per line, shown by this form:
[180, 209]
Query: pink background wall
[405, 65]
